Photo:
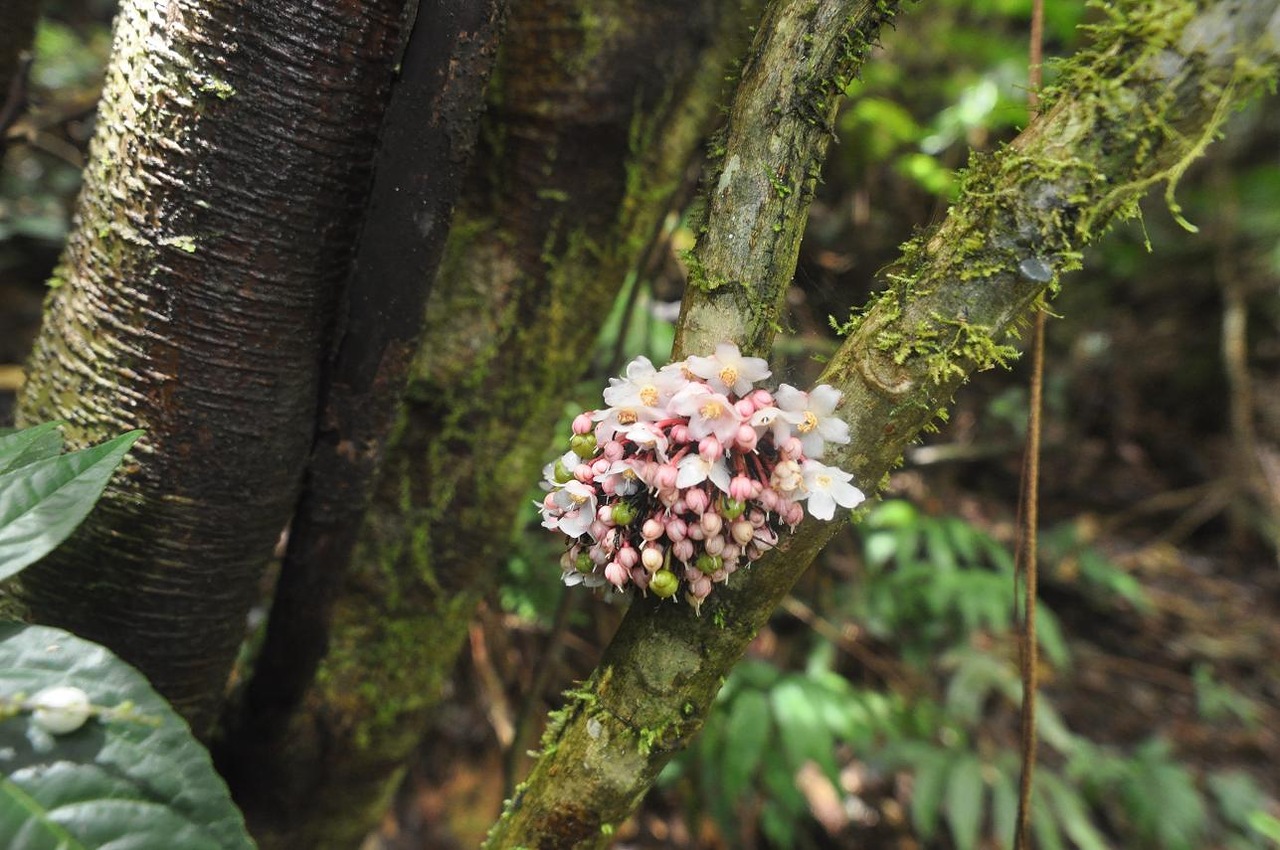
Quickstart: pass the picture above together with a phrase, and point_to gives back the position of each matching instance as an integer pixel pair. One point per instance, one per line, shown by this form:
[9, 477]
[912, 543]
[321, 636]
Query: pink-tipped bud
[793, 514]
[549, 503]
[700, 588]
[744, 407]
[731, 553]
[710, 449]
[598, 530]
[746, 438]
[696, 532]
[761, 399]
[677, 529]
[652, 529]
[604, 514]
[683, 550]
[628, 556]
[608, 485]
[652, 558]
[617, 575]
[679, 433]
[583, 473]
[666, 477]
[600, 466]
[582, 423]
[740, 488]
[792, 448]
[720, 575]
[640, 578]
[711, 523]
[697, 500]
[756, 517]
[612, 450]
[743, 532]
[769, 499]
[714, 544]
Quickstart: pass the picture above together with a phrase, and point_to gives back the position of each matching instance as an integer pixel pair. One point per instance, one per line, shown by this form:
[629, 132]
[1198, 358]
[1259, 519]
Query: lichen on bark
[949, 307]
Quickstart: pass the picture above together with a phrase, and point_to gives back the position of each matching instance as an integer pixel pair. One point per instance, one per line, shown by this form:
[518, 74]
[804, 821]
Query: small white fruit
[60, 710]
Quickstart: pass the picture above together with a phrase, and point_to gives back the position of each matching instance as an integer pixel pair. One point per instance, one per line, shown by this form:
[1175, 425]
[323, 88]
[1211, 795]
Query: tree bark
[594, 113]
[226, 178]
[1129, 114]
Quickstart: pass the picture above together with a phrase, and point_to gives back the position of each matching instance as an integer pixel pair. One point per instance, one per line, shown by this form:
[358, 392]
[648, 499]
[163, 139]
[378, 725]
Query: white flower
[644, 386]
[812, 415]
[577, 504]
[694, 470]
[825, 487]
[61, 709]
[569, 460]
[727, 371]
[626, 480]
[647, 436]
[615, 419]
[709, 413]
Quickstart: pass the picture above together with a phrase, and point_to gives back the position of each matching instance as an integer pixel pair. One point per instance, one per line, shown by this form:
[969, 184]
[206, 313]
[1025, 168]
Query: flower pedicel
[690, 473]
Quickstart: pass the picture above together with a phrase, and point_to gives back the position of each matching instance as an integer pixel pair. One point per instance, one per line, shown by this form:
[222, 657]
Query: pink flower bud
[700, 587]
[600, 466]
[652, 558]
[697, 500]
[677, 529]
[616, 574]
[711, 523]
[792, 448]
[710, 448]
[640, 578]
[628, 556]
[714, 544]
[731, 553]
[582, 423]
[696, 532]
[679, 433]
[794, 514]
[769, 499]
[744, 407]
[720, 575]
[652, 529]
[756, 517]
[740, 488]
[608, 485]
[742, 531]
[683, 550]
[583, 473]
[549, 503]
[604, 514]
[746, 439]
[761, 399]
[666, 477]
[612, 450]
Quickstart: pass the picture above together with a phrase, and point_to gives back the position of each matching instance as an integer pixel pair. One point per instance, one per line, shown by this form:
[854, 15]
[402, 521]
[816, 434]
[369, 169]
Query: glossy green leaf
[20, 448]
[748, 733]
[132, 782]
[41, 503]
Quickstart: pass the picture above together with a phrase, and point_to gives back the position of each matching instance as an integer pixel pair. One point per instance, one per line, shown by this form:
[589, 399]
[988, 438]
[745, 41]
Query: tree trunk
[595, 112]
[1129, 114]
[194, 298]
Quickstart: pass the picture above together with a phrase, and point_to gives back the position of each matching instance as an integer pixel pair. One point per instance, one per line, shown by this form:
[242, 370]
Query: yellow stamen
[627, 417]
[711, 410]
[810, 422]
[649, 395]
[729, 376]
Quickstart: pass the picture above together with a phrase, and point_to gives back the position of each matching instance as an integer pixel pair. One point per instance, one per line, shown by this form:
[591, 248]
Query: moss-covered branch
[595, 111]
[768, 163]
[1127, 115]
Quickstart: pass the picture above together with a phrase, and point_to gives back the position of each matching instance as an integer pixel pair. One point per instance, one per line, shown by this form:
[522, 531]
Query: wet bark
[1130, 114]
[594, 114]
[194, 298]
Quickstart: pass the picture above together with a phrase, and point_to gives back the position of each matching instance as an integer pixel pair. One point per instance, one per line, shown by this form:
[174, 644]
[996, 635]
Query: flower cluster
[690, 473]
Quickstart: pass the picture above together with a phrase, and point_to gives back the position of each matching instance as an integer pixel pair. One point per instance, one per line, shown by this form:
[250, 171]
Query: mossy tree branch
[769, 159]
[595, 111]
[1129, 114]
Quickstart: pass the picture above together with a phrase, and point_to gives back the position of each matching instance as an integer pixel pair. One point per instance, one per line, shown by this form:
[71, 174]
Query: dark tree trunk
[225, 183]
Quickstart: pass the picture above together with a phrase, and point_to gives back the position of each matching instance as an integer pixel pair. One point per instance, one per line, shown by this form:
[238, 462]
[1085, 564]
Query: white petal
[823, 399]
[821, 505]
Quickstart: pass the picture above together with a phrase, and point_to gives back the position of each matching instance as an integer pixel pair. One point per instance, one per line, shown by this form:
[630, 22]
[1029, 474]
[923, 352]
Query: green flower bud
[731, 509]
[583, 445]
[623, 514]
[708, 563]
[664, 584]
[583, 563]
[561, 474]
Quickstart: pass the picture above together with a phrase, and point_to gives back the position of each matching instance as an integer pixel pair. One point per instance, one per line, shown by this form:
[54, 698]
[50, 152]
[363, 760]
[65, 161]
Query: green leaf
[748, 737]
[1004, 808]
[20, 448]
[926, 792]
[41, 503]
[1072, 812]
[1043, 822]
[964, 801]
[139, 780]
[805, 737]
